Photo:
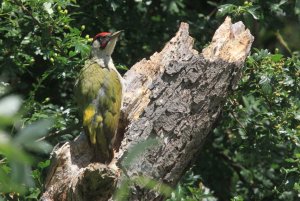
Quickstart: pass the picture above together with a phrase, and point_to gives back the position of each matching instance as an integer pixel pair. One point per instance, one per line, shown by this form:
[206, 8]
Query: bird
[98, 92]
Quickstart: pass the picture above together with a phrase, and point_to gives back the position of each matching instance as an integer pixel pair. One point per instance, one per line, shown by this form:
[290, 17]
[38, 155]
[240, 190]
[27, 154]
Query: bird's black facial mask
[103, 41]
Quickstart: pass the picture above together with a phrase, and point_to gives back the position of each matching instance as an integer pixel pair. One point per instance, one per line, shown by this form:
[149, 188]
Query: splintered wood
[175, 97]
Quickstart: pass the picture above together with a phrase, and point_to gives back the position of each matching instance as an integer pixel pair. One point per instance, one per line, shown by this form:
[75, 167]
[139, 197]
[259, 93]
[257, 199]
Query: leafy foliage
[135, 152]
[258, 136]
[16, 152]
[191, 188]
[253, 153]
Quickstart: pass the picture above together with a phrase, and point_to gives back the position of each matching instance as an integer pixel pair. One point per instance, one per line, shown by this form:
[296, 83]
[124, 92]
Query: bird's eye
[103, 38]
[103, 41]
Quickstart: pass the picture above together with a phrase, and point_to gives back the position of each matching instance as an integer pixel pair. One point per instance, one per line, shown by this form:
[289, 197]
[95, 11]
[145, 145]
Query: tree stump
[175, 97]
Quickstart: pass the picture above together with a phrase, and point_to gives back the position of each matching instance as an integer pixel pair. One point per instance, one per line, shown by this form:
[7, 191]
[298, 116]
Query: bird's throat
[104, 61]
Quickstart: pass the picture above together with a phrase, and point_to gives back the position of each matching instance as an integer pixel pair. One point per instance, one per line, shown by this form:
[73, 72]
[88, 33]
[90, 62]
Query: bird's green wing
[98, 92]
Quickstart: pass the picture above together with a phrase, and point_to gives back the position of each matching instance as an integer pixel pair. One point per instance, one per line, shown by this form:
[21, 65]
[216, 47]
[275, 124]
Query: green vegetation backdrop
[253, 154]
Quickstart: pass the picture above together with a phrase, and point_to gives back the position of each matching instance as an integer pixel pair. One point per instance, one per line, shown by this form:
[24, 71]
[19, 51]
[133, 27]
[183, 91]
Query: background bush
[253, 154]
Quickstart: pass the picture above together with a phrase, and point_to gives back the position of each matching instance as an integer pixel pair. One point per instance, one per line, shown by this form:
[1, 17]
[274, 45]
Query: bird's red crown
[102, 34]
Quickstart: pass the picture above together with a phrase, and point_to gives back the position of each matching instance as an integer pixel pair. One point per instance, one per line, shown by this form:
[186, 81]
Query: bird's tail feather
[101, 156]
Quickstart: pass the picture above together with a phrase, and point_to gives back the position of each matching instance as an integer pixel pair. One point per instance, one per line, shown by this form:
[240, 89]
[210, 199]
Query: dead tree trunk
[174, 97]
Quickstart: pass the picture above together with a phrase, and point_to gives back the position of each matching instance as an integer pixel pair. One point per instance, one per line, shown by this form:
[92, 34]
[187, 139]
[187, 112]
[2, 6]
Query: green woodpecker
[98, 91]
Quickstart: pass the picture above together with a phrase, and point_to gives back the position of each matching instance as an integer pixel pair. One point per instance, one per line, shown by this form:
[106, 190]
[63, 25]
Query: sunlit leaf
[10, 105]
[276, 57]
[123, 191]
[225, 9]
[34, 194]
[13, 153]
[21, 174]
[44, 164]
[152, 184]
[33, 132]
[253, 11]
[47, 7]
[265, 84]
[137, 150]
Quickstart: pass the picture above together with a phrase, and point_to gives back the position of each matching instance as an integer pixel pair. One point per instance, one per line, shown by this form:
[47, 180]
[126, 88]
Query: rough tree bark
[175, 97]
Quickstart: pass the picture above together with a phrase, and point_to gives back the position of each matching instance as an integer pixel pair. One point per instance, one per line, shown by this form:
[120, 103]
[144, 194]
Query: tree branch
[174, 97]
[60, 132]
[25, 10]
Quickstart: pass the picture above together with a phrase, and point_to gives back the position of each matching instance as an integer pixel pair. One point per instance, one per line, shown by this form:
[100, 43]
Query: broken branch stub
[175, 97]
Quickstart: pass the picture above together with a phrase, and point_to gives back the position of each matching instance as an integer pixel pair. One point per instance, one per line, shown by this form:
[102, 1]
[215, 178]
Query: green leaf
[253, 11]
[83, 49]
[6, 185]
[72, 53]
[137, 150]
[34, 194]
[28, 136]
[44, 164]
[212, 3]
[297, 8]
[276, 8]
[123, 191]
[265, 84]
[276, 57]
[122, 67]
[288, 81]
[226, 9]
[10, 105]
[297, 187]
[13, 153]
[237, 198]
[33, 132]
[21, 174]
[40, 147]
[152, 184]
[47, 7]
[5, 121]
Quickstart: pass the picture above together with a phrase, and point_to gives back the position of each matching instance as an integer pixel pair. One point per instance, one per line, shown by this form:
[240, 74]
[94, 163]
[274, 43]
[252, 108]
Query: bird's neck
[103, 59]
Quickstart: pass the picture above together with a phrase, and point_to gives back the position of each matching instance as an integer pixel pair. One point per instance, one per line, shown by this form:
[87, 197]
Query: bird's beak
[116, 34]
